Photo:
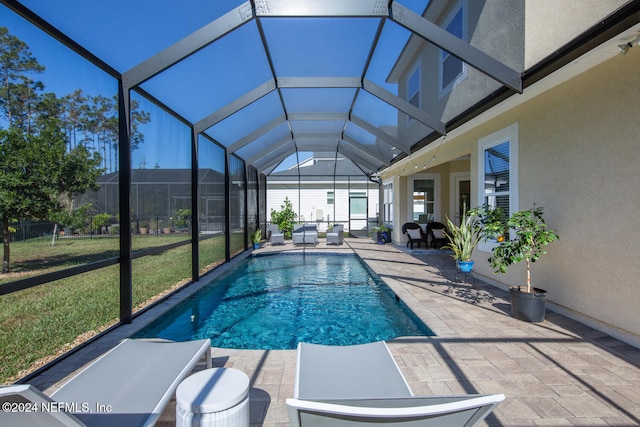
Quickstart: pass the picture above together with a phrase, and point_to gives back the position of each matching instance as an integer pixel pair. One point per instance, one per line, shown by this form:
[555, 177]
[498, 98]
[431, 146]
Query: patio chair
[414, 233]
[362, 385]
[276, 237]
[129, 385]
[336, 236]
[436, 231]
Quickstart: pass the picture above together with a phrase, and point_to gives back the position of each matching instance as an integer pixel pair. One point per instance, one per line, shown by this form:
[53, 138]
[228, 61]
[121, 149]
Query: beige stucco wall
[579, 158]
[550, 24]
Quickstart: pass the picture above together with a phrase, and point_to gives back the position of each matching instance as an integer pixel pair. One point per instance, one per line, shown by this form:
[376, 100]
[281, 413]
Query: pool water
[272, 302]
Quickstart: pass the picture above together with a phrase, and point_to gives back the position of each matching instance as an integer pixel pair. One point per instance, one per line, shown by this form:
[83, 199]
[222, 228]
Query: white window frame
[510, 135]
[387, 202]
[418, 92]
[444, 55]
[436, 194]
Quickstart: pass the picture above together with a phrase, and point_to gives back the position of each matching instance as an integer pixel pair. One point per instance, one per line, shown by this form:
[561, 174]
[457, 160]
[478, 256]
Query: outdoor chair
[336, 236]
[436, 231]
[129, 385]
[362, 385]
[276, 237]
[414, 233]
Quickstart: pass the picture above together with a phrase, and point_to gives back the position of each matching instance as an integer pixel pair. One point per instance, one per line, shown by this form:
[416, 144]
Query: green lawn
[44, 321]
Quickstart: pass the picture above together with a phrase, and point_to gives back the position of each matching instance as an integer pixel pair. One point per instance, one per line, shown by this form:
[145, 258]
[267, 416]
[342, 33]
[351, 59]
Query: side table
[213, 397]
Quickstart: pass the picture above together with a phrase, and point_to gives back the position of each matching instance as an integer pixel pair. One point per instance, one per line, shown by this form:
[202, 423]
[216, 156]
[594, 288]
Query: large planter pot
[526, 306]
[465, 266]
[380, 240]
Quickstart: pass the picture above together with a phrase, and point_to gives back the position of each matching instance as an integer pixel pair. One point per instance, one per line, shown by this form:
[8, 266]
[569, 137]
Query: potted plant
[382, 234]
[144, 227]
[256, 237]
[463, 239]
[530, 237]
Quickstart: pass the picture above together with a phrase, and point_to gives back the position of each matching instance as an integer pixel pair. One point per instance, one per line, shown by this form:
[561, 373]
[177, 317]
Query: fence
[100, 226]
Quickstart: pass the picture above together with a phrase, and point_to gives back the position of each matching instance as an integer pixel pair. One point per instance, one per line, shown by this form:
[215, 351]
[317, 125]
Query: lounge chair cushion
[137, 379]
[349, 372]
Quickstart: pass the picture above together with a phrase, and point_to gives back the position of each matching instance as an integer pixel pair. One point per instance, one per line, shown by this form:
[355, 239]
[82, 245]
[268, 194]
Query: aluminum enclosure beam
[404, 106]
[455, 46]
[358, 157]
[368, 149]
[380, 134]
[274, 157]
[257, 133]
[318, 82]
[318, 116]
[324, 8]
[235, 106]
[269, 149]
[188, 45]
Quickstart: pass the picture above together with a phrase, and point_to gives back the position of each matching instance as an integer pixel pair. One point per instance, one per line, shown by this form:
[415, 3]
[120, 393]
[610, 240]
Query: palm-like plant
[464, 238]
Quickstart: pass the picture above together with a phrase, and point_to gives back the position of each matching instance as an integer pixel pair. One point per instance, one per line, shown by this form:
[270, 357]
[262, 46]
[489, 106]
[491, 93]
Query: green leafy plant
[256, 236]
[100, 220]
[285, 218]
[531, 236]
[464, 238]
[182, 218]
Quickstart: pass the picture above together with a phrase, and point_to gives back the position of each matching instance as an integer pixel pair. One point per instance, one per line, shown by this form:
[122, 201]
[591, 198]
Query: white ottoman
[213, 397]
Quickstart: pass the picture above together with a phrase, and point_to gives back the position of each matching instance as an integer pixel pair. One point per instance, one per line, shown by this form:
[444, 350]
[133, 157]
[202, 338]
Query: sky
[221, 73]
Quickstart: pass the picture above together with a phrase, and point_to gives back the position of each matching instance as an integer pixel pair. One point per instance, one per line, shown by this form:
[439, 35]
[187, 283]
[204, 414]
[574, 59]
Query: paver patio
[555, 373]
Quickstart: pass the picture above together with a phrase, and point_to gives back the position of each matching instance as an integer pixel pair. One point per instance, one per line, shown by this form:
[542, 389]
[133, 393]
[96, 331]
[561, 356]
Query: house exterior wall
[313, 197]
[578, 158]
[504, 42]
[547, 28]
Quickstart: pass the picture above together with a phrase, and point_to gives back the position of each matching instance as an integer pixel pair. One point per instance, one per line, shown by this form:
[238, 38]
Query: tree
[38, 174]
[16, 62]
[285, 217]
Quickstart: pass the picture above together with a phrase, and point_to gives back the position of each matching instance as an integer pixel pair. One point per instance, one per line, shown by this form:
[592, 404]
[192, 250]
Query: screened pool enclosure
[206, 115]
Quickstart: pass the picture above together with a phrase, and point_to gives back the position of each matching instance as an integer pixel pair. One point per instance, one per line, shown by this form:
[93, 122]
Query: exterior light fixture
[624, 48]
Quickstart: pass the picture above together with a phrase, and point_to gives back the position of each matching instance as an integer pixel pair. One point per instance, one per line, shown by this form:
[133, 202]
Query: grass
[41, 323]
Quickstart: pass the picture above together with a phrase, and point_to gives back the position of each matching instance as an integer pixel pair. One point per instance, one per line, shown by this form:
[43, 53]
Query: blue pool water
[273, 302]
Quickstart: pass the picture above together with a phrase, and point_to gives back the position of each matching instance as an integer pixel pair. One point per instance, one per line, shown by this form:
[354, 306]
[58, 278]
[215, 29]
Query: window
[423, 200]
[358, 203]
[330, 198]
[387, 200]
[413, 90]
[497, 169]
[452, 69]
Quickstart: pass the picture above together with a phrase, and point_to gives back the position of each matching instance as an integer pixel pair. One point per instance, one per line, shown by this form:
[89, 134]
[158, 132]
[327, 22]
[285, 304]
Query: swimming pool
[272, 302]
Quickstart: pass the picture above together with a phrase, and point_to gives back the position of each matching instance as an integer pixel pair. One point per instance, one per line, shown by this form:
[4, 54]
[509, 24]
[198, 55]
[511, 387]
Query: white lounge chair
[362, 385]
[128, 386]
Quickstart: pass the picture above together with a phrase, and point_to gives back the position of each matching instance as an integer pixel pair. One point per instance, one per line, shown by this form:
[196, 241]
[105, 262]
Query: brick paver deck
[555, 373]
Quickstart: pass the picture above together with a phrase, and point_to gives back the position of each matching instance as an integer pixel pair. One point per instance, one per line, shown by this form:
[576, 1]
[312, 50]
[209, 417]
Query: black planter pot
[526, 306]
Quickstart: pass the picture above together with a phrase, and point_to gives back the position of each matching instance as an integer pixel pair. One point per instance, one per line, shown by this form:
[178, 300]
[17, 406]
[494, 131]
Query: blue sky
[112, 30]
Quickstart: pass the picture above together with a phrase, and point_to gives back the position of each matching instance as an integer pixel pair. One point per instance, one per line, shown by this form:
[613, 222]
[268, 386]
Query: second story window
[452, 69]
